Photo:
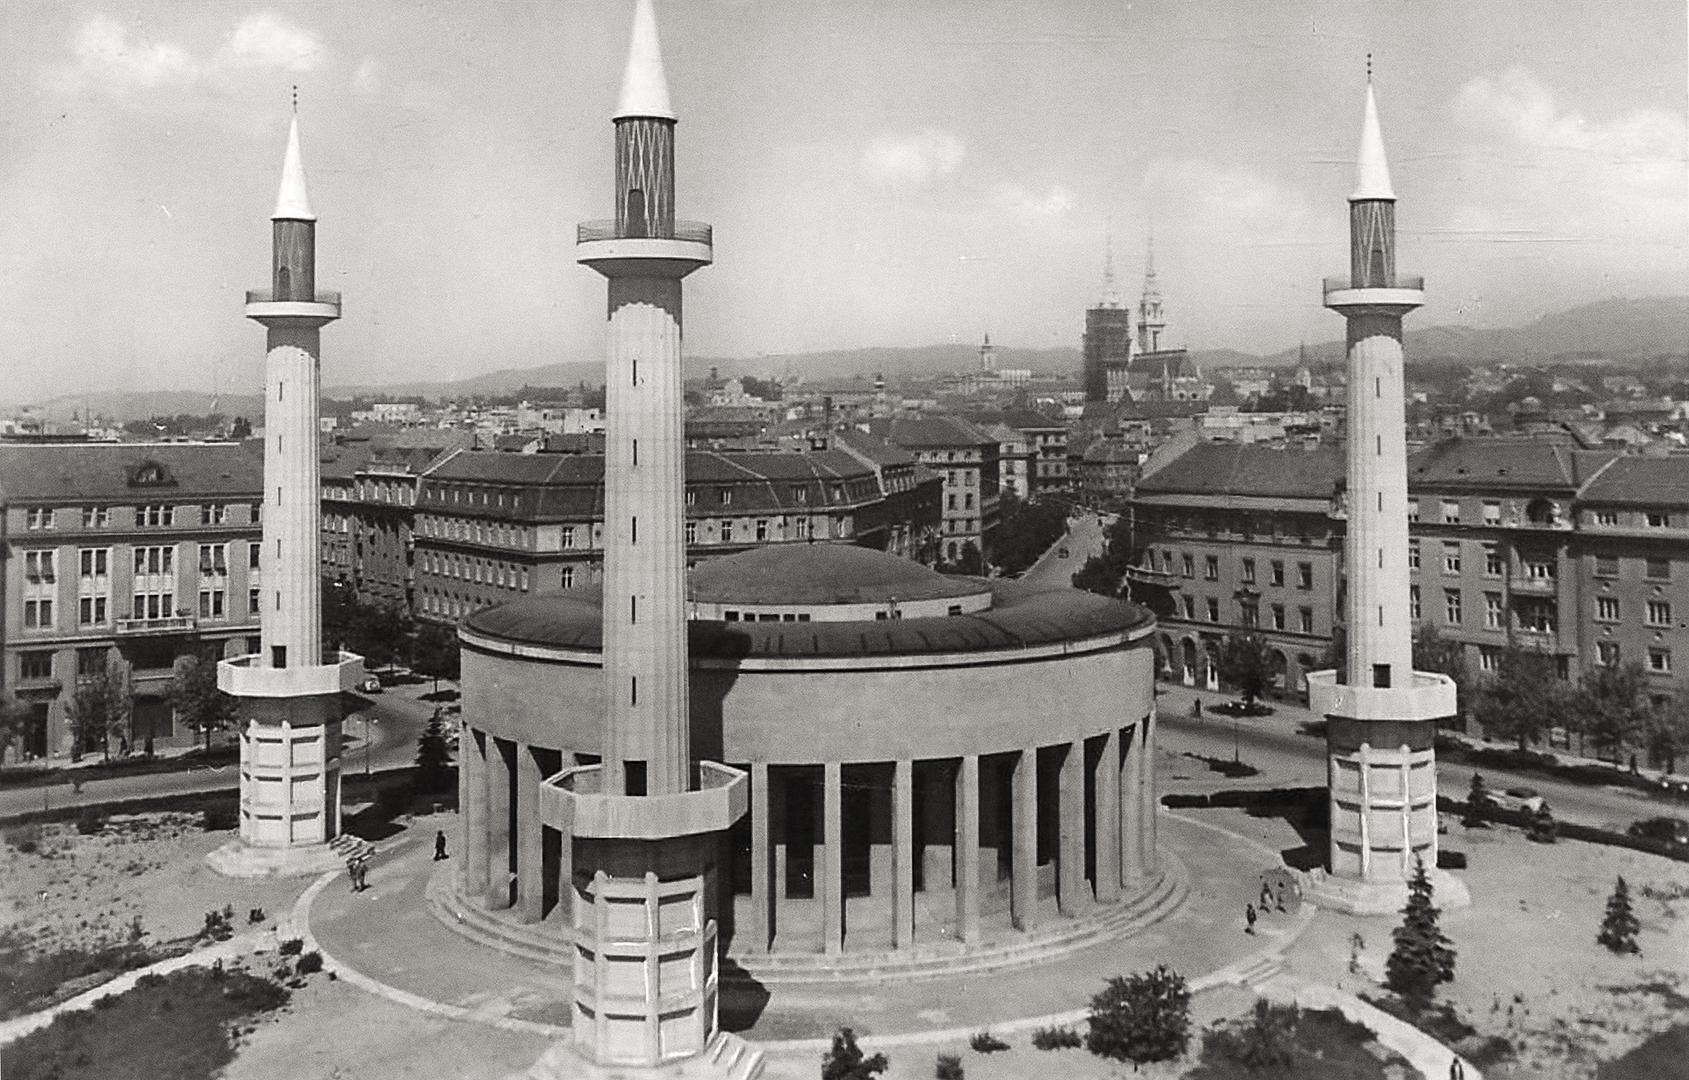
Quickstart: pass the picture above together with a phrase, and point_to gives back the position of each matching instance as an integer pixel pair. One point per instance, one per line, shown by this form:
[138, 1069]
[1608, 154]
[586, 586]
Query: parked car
[1062, 553]
[371, 685]
[1669, 830]
[1517, 798]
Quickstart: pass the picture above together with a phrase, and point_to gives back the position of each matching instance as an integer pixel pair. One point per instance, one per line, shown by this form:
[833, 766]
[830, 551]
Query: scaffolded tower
[289, 692]
[1381, 715]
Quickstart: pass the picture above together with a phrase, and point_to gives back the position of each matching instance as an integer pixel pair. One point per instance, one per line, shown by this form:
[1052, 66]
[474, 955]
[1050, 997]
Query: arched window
[284, 283]
[633, 221]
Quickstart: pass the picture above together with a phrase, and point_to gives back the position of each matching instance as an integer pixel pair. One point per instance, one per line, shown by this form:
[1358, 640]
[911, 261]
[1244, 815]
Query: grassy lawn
[1283, 1042]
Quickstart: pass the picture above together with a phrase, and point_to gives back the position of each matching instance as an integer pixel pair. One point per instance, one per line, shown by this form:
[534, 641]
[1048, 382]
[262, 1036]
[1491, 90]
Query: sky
[878, 172]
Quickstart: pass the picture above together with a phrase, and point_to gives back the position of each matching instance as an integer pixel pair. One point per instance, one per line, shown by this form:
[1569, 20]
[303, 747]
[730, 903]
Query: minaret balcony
[249, 677]
[1406, 294]
[261, 304]
[615, 250]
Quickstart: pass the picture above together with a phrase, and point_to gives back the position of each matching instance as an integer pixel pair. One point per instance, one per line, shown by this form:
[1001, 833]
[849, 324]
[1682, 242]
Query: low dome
[821, 574]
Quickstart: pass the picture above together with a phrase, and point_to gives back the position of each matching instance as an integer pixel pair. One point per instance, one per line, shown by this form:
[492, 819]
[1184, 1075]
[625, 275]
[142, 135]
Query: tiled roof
[1019, 419]
[97, 472]
[1641, 480]
[873, 449]
[929, 432]
[1249, 469]
[1502, 463]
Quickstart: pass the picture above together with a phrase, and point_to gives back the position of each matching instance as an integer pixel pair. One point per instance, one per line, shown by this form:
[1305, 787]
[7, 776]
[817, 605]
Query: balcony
[262, 305]
[615, 250]
[692, 232]
[574, 800]
[163, 624]
[1525, 585]
[1345, 283]
[268, 296]
[247, 676]
[1143, 575]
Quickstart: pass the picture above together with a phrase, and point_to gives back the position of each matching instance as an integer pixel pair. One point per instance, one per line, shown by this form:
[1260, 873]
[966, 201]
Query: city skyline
[891, 177]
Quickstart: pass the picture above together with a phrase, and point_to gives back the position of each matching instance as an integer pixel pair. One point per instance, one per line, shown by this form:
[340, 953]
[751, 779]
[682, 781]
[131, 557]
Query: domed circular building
[938, 765]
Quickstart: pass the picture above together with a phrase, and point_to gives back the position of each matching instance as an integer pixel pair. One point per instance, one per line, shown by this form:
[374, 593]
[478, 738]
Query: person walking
[1196, 707]
[440, 845]
[1267, 895]
[352, 872]
[1457, 1071]
[1249, 918]
[1280, 897]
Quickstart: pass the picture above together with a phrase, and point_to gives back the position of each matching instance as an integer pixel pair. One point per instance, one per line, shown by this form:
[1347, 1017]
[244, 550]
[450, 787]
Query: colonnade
[837, 857]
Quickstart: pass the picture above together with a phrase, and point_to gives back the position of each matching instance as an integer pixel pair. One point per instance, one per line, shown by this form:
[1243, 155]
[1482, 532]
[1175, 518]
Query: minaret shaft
[291, 617]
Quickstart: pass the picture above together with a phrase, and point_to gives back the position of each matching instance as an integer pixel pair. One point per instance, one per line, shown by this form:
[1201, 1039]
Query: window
[1606, 566]
[40, 517]
[800, 494]
[691, 497]
[1249, 612]
[1659, 613]
[566, 579]
[1413, 554]
[1413, 604]
[1489, 658]
[1190, 606]
[1305, 620]
[1538, 617]
[1493, 617]
[727, 532]
[1607, 608]
[1304, 575]
[1451, 606]
[41, 566]
[1658, 519]
[1659, 659]
[1606, 517]
[214, 514]
[254, 550]
[154, 595]
[93, 586]
[1249, 571]
[1607, 652]
[1451, 558]
[1211, 568]
[968, 501]
[155, 515]
[38, 613]
[1278, 616]
[950, 501]
[35, 664]
[1213, 610]
[1493, 566]
[691, 532]
[95, 517]
[252, 600]
[802, 525]
[1492, 512]
[762, 530]
[1659, 569]
[1413, 510]
[1188, 565]
[1277, 572]
[727, 496]
[1539, 570]
[91, 662]
[1451, 512]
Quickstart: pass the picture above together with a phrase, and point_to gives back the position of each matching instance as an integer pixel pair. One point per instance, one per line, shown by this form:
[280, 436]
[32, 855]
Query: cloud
[910, 161]
[367, 79]
[1055, 202]
[105, 53]
[265, 40]
[1226, 200]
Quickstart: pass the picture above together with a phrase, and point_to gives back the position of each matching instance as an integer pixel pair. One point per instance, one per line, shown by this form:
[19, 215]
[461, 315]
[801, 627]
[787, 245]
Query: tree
[1613, 703]
[241, 428]
[99, 709]
[1619, 926]
[1544, 829]
[1246, 663]
[1025, 530]
[968, 561]
[846, 1062]
[433, 761]
[1523, 698]
[1138, 1018]
[1097, 576]
[15, 719]
[1422, 958]
[1436, 653]
[196, 699]
[1668, 731]
[437, 654]
[1477, 801]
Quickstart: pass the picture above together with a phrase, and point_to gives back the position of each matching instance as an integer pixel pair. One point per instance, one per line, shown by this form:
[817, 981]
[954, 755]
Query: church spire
[1111, 294]
[293, 203]
[645, 89]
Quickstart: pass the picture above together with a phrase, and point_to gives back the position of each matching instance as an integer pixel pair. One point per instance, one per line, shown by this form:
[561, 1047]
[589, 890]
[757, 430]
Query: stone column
[967, 848]
[1365, 823]
[1131, 809]
[1146, 788]
[762, 914]
[903, 849]
[498, 825]
[530, 837]
[1023, 877]
[472, 750]
[832, 862]
[937, 827]
[1071, 892]
[1106, 818]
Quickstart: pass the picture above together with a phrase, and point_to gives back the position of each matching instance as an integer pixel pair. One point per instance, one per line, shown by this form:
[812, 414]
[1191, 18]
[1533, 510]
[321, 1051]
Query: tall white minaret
[642, 830]
[1381, 716]
[289, 703]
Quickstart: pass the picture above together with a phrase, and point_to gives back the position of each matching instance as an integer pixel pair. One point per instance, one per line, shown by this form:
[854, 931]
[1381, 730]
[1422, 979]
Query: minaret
[289, 692]
[1151, 320]
[642, 830]
[1381, 716]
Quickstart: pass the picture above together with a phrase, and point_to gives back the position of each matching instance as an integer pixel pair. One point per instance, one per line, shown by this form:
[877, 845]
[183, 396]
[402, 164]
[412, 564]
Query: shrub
[1543, 828]
[948, 1067]
[292, 947]
[219, 817]
[90, 821]
[1056, 1038]
[844, 1061]
[1140, 1018]
[25, 839]
[217, 927]
[310, 963]
[983, 1042]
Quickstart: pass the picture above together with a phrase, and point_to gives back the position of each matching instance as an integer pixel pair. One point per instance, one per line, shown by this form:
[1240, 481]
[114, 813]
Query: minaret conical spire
[645, 89]
[1372, 171]
[293, 202]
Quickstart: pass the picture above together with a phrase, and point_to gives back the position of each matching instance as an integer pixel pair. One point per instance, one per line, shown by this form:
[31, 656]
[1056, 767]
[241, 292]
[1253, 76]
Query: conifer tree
[1619, 926]
[1477, 799]
[1422, 958]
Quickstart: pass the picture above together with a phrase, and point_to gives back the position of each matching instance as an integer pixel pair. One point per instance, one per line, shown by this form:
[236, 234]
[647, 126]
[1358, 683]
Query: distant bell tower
[1107, 346]
[1381, 715]
[988, 356]
[1151, 320]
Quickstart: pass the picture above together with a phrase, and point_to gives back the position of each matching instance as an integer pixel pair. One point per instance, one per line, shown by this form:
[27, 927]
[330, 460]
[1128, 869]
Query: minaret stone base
[289, 767]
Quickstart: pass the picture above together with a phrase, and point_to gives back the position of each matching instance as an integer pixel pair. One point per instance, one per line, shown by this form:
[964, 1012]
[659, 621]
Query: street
[1084, 538]
[396, 720]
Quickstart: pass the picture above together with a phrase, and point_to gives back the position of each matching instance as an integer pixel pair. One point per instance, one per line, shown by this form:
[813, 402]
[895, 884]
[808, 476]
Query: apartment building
[966, 457]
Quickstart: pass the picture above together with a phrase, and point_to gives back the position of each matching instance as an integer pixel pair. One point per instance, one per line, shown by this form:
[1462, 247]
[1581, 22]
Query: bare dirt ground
[1528, 967]
[78, 889]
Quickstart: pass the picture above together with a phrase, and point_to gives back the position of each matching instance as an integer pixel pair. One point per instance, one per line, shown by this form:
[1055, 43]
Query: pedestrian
[1266, 895]
[1249, 918]
[1196, 707]
[1280, 898]
[440, 845]
[362, 870]
[352, 872]
[1457, 1071]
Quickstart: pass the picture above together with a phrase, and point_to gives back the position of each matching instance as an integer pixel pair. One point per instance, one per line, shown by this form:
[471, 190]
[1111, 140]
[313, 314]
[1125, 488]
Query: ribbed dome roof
[814, 574]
